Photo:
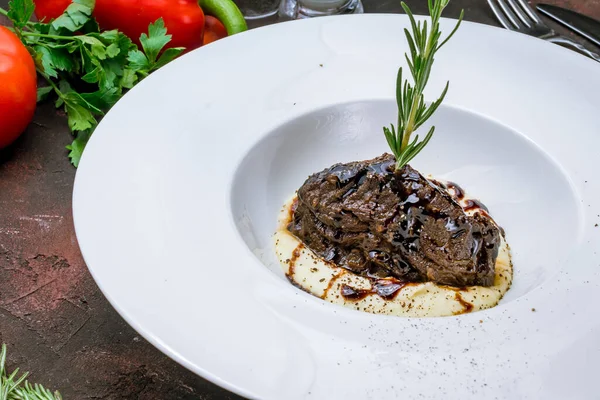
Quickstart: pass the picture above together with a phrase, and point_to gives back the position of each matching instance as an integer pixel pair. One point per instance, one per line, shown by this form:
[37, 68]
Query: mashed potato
[384, 296]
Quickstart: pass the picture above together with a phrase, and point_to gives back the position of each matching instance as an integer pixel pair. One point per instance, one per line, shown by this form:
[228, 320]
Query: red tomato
[213, 29]
[18, 91]
[184, 19]
[50, 9]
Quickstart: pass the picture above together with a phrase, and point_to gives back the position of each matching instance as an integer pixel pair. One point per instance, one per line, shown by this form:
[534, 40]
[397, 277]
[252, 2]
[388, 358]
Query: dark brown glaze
[378, 223]
[468, 307]
[329, 285]
[296, 284]
[459, 193]
[468, 205]
[296, 253]
[438, 183]
[292, 261]
[350, 293]
[387, 289]
[472, 204]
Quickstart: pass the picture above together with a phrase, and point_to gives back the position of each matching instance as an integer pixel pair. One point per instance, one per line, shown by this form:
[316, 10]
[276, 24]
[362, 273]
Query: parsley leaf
[93, 76]
[75, 16]
[90, 27]
[167, 56]
[76, 148]
[112, 50]
[145, 61]
[111, 36]
[79, 111]
[20, 11]
[155, 40]
[97, 48]
[43, 60]
[79, 116]
[40, 28]
[102, 99]
[138, 61]
[112, 72]
[124, 43]
[129, 78]
[43, 92]
[107, 66]
[50, 60]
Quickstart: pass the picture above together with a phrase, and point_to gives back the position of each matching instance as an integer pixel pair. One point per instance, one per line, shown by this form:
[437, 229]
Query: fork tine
[520, 13]
[509, 14]
[500, 15]
[530, 11]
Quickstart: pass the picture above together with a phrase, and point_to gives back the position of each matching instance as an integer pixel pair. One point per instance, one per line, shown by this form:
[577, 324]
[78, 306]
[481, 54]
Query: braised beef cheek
[378, 223]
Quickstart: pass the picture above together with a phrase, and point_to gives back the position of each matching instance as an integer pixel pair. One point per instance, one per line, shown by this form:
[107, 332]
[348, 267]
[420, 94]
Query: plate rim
[130, 319]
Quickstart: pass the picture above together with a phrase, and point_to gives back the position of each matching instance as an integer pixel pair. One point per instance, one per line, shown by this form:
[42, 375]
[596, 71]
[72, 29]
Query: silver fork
[518, 16]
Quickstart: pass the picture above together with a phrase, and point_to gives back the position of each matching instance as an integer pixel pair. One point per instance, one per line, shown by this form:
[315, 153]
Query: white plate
[182, 181]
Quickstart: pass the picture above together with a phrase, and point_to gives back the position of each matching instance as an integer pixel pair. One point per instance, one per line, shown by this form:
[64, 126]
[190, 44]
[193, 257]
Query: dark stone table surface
[53, 317]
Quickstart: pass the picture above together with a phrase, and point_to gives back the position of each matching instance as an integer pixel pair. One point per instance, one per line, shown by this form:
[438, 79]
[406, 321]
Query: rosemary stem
[413, 111]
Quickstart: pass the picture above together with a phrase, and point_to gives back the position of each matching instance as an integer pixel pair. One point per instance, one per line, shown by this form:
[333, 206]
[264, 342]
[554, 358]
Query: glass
[255, 9]
[295, 9]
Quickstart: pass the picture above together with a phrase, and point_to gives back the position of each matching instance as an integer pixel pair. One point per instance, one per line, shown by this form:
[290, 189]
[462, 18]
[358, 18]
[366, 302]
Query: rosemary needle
[14, 386]
[424, 42]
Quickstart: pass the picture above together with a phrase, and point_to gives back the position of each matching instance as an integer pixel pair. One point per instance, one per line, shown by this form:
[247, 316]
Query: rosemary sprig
[412, 110]
[15, 387]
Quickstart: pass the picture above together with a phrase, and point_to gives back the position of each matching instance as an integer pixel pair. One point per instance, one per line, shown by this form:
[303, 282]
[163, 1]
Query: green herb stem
[412, 110]
[51, 82]
[14, 386]
[410, 126]
[43, 35]
[415, 103]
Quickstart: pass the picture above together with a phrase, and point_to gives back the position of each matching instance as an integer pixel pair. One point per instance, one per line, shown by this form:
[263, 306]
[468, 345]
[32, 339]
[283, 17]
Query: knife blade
[582, 24]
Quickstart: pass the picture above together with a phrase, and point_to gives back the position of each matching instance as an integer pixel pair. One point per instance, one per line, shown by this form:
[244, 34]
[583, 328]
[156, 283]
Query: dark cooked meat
[367, 218]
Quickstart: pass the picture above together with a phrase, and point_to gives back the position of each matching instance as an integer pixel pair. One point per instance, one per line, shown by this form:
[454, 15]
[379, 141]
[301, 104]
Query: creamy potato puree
[384, 296]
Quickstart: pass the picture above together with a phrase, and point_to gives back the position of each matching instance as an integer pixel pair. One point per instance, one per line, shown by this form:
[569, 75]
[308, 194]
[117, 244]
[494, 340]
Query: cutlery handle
[573, 44]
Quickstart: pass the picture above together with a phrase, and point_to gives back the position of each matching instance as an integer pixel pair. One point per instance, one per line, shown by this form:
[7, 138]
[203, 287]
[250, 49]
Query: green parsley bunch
[87, 70]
